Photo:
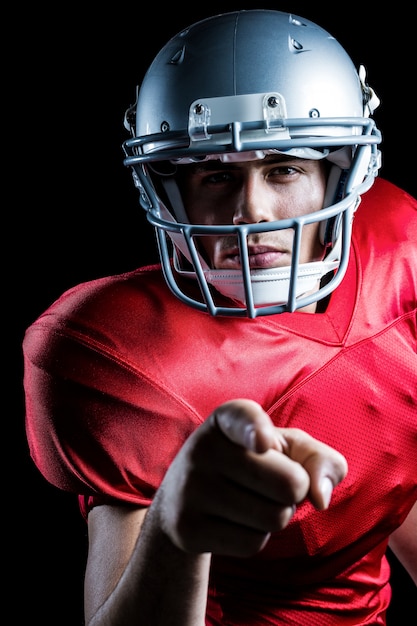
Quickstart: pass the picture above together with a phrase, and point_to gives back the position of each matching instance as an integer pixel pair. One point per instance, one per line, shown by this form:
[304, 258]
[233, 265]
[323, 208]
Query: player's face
[274, 188]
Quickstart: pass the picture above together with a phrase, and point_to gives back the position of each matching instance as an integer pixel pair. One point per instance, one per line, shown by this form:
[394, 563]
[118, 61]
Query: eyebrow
[215, 165]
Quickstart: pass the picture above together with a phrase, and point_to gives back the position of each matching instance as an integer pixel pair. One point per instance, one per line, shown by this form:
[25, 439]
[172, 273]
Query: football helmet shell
[238, 86]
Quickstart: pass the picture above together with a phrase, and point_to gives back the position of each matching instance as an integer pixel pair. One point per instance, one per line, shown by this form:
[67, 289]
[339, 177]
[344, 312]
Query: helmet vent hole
[178, 57]
[295, 45]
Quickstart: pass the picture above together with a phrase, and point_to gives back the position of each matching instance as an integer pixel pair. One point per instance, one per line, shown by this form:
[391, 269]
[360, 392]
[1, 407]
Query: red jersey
[119, 372]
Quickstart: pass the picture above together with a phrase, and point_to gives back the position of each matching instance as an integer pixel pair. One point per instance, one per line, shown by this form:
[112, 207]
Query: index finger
[325, 466]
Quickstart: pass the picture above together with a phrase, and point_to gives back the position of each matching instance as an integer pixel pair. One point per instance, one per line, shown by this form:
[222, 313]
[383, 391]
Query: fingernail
[326, 489]
[250, 437]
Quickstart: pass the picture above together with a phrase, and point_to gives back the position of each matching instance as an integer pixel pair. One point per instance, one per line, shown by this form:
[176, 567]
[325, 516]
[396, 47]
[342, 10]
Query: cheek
[308, 198]
[197, 206]
[208, 214]
[207, 248]
[194, 211]
[311, 248]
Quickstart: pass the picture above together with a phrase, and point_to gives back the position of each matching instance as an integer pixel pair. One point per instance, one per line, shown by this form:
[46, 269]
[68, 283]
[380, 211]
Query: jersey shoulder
[102, 310]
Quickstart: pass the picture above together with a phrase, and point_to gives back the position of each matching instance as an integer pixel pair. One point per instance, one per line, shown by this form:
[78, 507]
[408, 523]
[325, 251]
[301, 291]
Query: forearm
[160, 585]
[403, 542]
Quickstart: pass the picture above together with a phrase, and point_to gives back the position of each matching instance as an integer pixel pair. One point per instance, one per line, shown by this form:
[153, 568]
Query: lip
[260, 257]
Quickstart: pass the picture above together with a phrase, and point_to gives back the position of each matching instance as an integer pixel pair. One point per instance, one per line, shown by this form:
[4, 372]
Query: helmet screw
[272, 102]
[314, 113]
[164, 127]
[198, 109]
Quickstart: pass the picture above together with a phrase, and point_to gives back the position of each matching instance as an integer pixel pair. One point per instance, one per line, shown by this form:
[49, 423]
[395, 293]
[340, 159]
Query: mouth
[260, 257]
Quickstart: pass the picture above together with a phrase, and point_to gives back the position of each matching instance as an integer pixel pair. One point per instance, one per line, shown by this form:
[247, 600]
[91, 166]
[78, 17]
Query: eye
[215, 178]
[283, 170]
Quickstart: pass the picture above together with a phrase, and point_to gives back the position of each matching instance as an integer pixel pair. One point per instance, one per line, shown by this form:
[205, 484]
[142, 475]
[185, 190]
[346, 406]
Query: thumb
[245, 423]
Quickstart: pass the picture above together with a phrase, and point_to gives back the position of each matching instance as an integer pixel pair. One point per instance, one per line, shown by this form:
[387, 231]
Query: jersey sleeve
[91, 412]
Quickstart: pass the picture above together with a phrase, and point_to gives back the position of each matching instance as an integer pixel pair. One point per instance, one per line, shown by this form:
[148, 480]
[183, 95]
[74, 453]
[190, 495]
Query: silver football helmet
[238, 86]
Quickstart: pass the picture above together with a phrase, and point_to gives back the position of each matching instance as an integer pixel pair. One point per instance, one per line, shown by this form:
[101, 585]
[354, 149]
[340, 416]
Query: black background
[72, 214]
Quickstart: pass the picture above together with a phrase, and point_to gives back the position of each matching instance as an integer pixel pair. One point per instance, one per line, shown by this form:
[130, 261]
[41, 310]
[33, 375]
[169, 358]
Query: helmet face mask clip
[302, 98]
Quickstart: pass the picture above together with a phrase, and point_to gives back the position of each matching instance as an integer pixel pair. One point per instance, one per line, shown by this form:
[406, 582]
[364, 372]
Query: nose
[253, 202]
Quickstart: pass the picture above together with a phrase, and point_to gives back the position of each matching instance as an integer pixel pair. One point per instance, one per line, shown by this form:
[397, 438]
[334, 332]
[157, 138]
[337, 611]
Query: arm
[403, 542]
[235, 480]
[152, 583]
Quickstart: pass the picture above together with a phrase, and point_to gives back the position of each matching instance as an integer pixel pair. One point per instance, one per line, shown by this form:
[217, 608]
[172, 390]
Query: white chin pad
[269, 286]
